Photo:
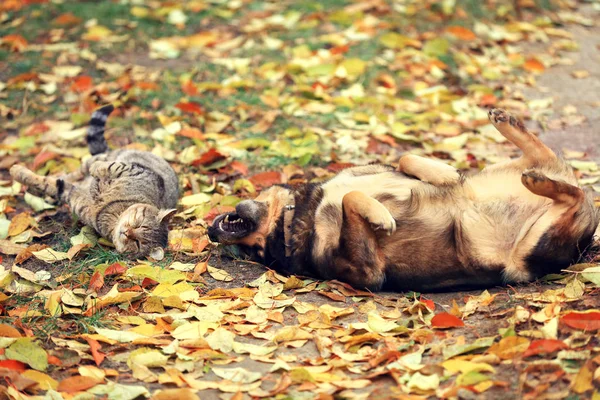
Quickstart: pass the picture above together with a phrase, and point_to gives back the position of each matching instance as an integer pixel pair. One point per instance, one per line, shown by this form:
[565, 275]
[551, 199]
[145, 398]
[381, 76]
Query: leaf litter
[239, 96]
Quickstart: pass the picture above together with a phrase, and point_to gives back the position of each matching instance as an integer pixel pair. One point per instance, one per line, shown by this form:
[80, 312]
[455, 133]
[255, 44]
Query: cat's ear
[157, 253]
[166, 215]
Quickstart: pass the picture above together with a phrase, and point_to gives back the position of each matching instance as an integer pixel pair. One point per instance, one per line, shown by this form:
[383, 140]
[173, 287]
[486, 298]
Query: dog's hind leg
[535, 152]
[558, 236]
[427, 170]
[359, 260]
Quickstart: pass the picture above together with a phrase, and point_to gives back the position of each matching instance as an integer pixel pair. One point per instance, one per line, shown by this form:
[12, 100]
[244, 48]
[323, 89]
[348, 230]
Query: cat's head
[143, 230]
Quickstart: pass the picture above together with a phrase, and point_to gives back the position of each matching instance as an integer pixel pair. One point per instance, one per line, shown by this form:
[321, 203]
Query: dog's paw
[498, 116]
[381, 219]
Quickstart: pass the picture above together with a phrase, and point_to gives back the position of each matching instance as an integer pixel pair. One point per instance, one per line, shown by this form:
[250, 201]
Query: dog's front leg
[360, 261]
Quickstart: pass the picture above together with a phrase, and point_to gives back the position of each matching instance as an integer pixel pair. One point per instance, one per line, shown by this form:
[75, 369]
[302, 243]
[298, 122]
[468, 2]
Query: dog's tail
[95, 134]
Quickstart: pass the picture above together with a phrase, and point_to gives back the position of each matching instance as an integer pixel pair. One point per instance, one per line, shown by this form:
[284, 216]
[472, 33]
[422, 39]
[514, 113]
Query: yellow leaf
[221, 339]
[48, 255]
[582, 381]
[219, 274]
[193, 330]
[290, 333]
[96, 33]
[19, 224]
[463, 366]
[44, 381]
[147, 357]
[114, 297]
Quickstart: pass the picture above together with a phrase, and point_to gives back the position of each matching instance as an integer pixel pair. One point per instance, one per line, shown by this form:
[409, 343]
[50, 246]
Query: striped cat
[127, 196]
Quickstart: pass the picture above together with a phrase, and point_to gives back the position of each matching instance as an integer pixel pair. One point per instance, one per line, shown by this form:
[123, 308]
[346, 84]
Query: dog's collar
[288, 216]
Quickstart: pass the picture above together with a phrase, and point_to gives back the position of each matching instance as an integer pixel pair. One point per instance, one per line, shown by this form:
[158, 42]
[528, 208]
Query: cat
[127, 196]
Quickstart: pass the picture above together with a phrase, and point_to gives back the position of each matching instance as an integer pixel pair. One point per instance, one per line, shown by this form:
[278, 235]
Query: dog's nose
[251, 210]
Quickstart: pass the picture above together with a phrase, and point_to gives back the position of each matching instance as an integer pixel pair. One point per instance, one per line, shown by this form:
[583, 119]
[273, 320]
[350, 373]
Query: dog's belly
[390, 183]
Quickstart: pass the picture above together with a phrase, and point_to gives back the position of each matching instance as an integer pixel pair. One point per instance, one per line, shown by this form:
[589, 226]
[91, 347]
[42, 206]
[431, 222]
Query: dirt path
[568, 91]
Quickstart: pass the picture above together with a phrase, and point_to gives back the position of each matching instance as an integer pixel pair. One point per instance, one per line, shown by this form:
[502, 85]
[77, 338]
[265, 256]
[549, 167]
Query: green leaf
[592, 274]
[29, 352]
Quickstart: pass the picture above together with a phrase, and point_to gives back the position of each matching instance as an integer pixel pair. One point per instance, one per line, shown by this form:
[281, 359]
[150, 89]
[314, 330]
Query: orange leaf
[266, 179]
[95, 350]
[239, 167]
[77, 384]
[53, 360]
[96, 281]
[67, 19]
[190, 107]
[339, 49]
[115, 269]
[82, 83]
[147, 86]
[544, 346]
[192, 133]
[588, 321]
[13, 364]
[15, 42]
[461, 32]
[189, 88]
[534, 65]
[445, 320]
[9, 331]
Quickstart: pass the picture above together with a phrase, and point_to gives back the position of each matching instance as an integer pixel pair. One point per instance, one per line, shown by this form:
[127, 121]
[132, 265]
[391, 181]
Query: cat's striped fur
[127, 196]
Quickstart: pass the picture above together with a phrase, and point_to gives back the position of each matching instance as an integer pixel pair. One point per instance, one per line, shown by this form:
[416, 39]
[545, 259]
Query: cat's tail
[95, 134]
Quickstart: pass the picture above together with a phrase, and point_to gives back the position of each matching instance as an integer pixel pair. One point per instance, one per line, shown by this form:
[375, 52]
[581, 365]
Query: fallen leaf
[445, 320]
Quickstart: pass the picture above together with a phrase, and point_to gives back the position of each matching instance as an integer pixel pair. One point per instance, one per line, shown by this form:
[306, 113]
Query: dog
[423, 226]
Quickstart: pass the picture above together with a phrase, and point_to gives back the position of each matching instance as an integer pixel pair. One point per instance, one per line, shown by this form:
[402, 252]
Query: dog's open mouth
[228, 227]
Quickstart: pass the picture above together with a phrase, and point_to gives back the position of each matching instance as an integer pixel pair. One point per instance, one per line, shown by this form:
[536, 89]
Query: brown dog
[377, 227]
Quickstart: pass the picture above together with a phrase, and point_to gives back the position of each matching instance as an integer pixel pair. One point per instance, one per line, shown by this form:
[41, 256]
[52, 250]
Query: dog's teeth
[227, 218]
[221, 225]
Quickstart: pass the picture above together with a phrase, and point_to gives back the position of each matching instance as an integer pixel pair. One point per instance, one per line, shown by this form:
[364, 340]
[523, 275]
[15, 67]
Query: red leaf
[95, 350]
[445, 320]
[428, 303]
[588, 321]
[190, 107]
[544, 346]
[337, 167]
[208, 158]
[115, 269]
[148, 282]
[82, 84]
[36, 129]
[13, 364]
[42, 158]
[96, 281]
[266, 179]
[214, 212]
